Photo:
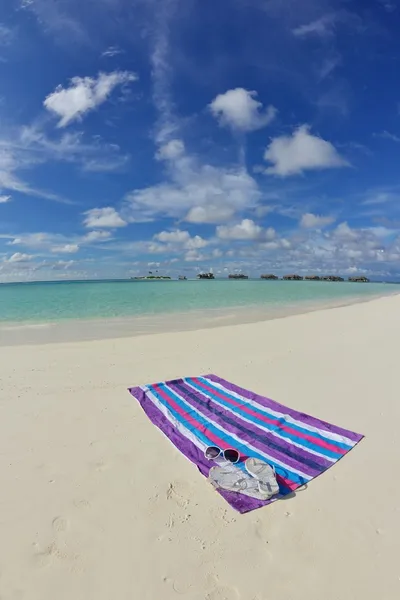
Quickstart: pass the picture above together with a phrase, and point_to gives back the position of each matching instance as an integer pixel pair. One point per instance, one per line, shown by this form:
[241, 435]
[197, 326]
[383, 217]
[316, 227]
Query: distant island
[268, 276]
[151, 278]
[324, 278]
[295, 277]
[292, 278]
[359, 279]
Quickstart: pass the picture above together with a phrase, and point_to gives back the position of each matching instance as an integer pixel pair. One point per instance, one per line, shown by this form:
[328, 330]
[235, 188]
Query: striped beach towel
[196, 412]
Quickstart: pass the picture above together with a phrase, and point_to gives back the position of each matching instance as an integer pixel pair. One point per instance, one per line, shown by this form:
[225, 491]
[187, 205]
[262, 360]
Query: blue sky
[184, 135]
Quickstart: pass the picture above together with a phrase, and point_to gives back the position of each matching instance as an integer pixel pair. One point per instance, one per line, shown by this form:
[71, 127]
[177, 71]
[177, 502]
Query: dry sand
[96, 504]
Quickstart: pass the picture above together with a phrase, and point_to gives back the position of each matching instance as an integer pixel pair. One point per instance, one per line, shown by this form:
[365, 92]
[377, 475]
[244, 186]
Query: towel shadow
[293, 494]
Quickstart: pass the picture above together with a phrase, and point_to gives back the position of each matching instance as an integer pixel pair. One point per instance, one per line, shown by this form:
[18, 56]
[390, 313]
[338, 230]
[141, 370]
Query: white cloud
[177, 236]
[65, 249]
[239, 110]
[170, 240]
[197, 194]
[4, 199]
[171, 150]
[382, 232]
[195, 243]
[57, 243]
[311, 221]
[18, 257]
[322, 27]
[103, 217]
[245, 230]
[210, 214]
[344, 232]
[97, 236]
[84, 94]
[33, 240]
[194, 256]
[291, 155]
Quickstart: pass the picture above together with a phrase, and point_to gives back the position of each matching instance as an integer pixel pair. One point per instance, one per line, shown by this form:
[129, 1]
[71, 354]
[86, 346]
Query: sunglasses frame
[222, 452]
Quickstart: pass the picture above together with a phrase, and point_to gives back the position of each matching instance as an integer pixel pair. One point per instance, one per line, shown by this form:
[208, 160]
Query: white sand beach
[96, 504]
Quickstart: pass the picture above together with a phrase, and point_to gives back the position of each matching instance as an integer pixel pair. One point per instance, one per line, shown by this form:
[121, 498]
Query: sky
[179, 136]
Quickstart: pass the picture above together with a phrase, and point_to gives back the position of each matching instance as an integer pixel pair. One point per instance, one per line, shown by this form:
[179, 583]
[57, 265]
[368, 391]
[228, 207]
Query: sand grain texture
[95, 503]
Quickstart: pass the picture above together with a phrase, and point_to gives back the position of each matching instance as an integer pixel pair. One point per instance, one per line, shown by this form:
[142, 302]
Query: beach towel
[196, 412]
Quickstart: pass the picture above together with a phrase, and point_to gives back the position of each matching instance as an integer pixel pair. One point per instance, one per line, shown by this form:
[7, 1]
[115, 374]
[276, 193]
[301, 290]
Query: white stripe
[328, 434]
[177, 424]
[274, 433]
[244, 443]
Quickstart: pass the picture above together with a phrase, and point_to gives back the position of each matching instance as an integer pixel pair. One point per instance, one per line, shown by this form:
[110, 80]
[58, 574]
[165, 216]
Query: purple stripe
[239, 502]
[301, 417]
[211, 410]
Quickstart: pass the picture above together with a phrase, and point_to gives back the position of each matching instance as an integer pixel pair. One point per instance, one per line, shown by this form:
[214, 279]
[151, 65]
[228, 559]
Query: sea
[57, 311]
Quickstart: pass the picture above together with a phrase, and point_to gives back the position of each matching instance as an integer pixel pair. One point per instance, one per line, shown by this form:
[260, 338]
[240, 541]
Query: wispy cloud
[386, 135]
[389, 5]
[322, 27]
[58, 18]
[112, 51]
[6, 35]
[45, 243]
[10, 164]
[30, 145]
[328, 66]
[381, 197]
[160, 56]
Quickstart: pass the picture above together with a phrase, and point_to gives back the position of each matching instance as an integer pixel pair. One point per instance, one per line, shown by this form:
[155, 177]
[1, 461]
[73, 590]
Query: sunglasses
[230, 454]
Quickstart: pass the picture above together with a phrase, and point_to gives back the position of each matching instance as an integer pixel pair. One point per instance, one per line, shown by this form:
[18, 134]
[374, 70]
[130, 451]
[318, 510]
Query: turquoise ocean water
[50, 302]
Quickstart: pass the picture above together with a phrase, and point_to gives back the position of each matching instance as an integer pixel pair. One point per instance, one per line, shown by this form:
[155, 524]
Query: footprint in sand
[219, 591]
[223, 592]
[82, 503]
[220, 516]
[60, 524]
[179, 492]
[44, 558]
[58, 548]
[261, 530]
[180, 586]
[101, 466]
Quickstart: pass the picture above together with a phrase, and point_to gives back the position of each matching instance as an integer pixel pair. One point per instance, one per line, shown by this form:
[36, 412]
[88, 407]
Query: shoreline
[15, 333]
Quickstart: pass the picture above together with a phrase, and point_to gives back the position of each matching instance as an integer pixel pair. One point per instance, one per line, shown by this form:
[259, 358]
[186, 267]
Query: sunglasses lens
[212, 452]
[231, 455]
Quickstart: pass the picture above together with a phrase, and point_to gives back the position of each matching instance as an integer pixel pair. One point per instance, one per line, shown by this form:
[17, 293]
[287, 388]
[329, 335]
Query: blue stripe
[282, 421]
[202, 437]
[243, 448]
[179, 417]
[264, 411]
[303, 458]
